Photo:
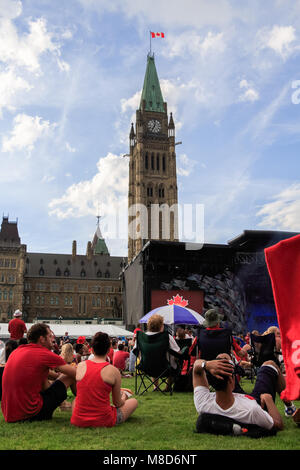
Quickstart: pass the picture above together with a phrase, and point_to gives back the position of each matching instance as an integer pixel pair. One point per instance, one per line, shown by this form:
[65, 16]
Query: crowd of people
[37, 371]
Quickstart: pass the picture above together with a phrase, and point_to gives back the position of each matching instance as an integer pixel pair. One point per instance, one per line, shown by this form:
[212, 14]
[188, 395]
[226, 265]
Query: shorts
[120, 417]
[52, 398]
[266, 382]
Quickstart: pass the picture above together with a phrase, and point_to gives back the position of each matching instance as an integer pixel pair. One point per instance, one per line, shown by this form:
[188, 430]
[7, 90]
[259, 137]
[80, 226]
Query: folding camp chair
[214, 342]
[263, 348]
[211, 343]
[153, 365]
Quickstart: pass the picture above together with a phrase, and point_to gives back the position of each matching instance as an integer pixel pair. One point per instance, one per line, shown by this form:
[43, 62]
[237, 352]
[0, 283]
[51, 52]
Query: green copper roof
[151, 89]
[98, 244]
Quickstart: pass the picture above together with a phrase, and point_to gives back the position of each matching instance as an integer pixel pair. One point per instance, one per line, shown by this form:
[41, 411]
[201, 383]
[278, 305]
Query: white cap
[18, 313]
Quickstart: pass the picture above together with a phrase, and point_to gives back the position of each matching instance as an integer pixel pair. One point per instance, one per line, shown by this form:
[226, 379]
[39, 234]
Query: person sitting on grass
[120, 359]
[256, 408]
[96, 380]
[27, 393]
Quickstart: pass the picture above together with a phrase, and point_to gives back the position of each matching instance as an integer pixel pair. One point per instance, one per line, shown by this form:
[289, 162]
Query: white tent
[75, 330]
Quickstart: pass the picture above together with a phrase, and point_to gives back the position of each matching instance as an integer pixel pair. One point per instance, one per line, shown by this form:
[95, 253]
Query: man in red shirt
[16, 326]
[27, 393]
[120, 357]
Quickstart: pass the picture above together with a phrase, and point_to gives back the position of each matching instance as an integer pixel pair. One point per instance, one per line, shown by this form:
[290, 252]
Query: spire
[151, 99]
[98, 244]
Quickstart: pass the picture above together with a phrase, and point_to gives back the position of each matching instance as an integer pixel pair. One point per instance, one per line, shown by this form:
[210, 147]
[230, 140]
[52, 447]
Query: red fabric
[16, 328]
[25, 372]
[92, 404]
[120, 359]
[283, 261]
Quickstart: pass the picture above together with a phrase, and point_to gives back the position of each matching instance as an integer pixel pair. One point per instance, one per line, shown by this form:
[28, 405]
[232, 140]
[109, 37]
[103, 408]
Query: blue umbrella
[175, 314]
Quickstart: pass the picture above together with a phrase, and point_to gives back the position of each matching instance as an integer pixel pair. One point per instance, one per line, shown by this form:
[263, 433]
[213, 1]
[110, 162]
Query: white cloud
[109, 185]
[10, 8]
[70, 148]
[27, 130]
[194, 44]
[279, 39]
[284, 212]
[185, 165]
[250, 94]
[10, 86]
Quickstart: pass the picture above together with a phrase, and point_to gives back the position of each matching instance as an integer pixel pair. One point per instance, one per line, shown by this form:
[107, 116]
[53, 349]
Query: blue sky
[71, 74]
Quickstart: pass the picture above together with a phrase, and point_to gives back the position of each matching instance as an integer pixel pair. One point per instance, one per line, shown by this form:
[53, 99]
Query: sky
[71, 75]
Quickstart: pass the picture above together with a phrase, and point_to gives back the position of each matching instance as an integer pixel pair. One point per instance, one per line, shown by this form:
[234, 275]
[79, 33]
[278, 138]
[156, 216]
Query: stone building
[152, 196]
[48, 286]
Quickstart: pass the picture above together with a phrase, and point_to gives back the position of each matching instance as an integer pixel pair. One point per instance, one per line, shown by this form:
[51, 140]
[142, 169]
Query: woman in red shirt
[96, 380]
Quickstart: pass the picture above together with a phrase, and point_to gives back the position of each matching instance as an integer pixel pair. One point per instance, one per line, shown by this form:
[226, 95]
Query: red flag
[157, 35]
[283, 261]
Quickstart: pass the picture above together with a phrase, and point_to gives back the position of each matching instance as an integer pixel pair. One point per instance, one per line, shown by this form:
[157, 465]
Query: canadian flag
[157, 35]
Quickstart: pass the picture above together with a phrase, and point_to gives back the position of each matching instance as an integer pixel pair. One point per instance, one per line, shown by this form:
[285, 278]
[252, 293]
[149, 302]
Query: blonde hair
[271, 329]
[155, 323]
[67, 352]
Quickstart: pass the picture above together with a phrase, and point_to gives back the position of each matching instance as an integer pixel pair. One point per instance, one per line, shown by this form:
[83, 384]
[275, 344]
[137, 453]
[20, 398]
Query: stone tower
[152, 196]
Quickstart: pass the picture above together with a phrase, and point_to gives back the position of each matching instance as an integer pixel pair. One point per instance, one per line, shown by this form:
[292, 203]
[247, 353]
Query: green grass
[159, 423]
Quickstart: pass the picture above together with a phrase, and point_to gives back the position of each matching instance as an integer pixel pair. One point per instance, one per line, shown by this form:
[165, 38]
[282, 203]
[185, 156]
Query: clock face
[154, 126]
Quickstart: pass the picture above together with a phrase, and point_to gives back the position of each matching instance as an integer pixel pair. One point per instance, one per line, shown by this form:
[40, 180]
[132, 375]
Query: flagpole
[150, 42]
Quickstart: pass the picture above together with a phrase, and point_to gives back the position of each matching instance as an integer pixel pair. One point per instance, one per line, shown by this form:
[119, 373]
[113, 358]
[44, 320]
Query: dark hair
[114, 342]
[100, 343]
[23, 341]
[218, 384]
[37, 330]
[10, 346]
[121, 347]
[78, 347]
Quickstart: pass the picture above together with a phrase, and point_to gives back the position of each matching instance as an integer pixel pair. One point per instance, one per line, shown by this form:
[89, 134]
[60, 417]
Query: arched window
[157, 162]
[107, 274]
[67, 272]
[58, 272]
[146, 161]
[152, 161]
[149, 191]
[164, 162]
[41, 271]
[82, 273]
[161, 191]
[99, 273]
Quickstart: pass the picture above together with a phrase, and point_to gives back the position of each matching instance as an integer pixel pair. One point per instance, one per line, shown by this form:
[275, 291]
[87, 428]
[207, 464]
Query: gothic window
[82, 263]
[68, 262]
[95, 263]
[107, 274]
[161, 192]
[58, 272]
[55, 262]
[152, 161]
[13, 263]
[146, 161]
[164, 163]
[82, 273]
[67, 272]
[66, 300]
[99, 273]
[98, 302]
[150, 191]
[41, 271]
[0, 294]
[41, 261]
[157, 162]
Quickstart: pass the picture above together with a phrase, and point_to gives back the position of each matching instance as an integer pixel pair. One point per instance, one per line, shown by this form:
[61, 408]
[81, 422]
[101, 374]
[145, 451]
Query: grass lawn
[159, 423]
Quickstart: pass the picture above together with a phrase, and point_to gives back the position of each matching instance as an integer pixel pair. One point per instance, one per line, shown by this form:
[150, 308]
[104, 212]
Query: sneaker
[289, 410]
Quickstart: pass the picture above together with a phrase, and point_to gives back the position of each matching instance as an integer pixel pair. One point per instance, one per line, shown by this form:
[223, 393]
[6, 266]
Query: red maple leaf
[178, 300]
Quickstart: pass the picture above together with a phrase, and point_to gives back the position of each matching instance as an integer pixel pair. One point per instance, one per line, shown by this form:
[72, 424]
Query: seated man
[27, 392]
[257, 408]
[120, 358]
